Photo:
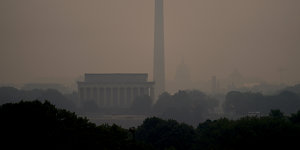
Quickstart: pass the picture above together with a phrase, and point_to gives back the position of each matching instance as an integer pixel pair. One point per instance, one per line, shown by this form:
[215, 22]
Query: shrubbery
[36, 124]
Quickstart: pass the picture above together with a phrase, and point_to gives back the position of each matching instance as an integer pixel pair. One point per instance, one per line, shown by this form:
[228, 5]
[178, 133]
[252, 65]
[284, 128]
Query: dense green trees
[185, 106]
[166, 134]
[41, 125]
[242, 103]
[40, 122]
[269, 132]
[35, 123]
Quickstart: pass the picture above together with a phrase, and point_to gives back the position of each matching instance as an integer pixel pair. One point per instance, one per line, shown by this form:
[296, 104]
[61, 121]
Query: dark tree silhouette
[34, 124]
[276, 113]
[166, 134]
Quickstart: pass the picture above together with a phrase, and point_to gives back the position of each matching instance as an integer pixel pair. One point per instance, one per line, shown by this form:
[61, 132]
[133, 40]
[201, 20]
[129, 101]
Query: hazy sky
[51, 40]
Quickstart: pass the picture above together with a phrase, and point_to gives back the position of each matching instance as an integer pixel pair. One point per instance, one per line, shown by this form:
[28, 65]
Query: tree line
[241, 103]
[12, 95]
[190, 106]
[35, 124]
[194, 106]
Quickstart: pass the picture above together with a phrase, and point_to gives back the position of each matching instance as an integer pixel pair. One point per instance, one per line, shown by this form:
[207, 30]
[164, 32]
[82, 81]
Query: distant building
[114, 90]
[119, 90]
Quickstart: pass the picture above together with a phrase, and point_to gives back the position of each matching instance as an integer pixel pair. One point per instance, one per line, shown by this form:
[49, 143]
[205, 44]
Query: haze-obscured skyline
[43, 40]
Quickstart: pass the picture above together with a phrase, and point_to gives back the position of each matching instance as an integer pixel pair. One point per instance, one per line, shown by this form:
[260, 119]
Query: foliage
[32, 124]
[276, 113]
[249, 133]
[166, 134]
[186, 106]
[35, 123]
[242, 103]
[12, 95]
[142, 105]
[245, 133]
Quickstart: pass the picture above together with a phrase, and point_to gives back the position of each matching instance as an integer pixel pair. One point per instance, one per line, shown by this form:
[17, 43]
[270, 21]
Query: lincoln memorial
[114, 90]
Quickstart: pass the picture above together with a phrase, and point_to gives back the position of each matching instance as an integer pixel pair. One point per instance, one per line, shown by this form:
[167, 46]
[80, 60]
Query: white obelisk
[159, 61]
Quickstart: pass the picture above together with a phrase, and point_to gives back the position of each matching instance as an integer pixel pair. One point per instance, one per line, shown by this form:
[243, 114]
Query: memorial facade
[114, 90]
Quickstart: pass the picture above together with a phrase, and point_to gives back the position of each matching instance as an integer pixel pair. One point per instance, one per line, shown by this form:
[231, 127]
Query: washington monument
[159, 61]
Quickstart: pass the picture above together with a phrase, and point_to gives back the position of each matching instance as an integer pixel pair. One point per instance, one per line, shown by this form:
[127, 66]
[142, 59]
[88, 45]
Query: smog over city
[150, 74]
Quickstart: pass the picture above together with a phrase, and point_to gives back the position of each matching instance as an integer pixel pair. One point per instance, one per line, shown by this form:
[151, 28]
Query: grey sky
[50, 40]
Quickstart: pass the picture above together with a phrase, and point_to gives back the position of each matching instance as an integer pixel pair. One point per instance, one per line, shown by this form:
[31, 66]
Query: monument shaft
[159, 62]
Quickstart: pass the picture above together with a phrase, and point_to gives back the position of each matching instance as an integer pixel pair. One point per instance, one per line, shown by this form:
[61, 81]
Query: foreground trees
[269, 132]
[42, 125]
[168, 134]
[35, 124]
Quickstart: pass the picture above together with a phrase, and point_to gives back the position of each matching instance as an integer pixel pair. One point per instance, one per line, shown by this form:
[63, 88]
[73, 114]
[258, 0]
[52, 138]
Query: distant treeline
[194, 106]
[185, 106]
[240, 103]
[41, 125]
[11, 94]
[190, 107]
